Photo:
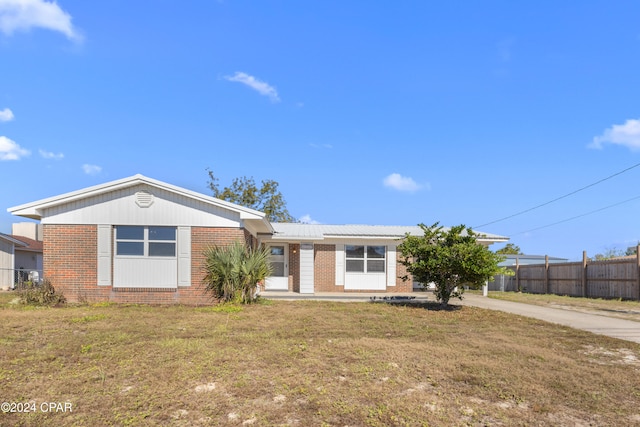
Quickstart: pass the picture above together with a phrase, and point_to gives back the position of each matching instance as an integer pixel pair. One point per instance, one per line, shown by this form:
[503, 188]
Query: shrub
[233, 272]
[44, 294]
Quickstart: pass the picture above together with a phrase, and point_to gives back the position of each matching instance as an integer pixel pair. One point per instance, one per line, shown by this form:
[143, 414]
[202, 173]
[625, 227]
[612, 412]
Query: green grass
[310, 363]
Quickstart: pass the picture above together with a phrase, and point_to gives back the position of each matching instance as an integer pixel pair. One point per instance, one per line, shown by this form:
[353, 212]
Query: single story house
[140, 240]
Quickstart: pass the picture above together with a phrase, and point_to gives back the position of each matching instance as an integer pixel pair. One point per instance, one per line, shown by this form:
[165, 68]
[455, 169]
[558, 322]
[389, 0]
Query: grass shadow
[426, 305]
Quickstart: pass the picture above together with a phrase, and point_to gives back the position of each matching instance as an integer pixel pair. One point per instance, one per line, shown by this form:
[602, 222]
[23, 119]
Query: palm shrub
[232, 272]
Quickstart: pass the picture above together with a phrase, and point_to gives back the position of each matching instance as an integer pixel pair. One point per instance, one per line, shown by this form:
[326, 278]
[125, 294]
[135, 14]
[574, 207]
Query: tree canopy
[244, 191]
[510, 249]
[449, 259]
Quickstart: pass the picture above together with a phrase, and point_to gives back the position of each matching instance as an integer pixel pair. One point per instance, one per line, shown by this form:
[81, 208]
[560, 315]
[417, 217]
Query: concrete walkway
[598, 324]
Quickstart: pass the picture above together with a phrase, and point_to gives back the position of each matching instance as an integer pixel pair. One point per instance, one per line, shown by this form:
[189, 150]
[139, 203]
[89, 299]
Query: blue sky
[365, 112]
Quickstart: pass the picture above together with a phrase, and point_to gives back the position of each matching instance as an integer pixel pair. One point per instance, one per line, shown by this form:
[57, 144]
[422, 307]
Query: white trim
[306, 268]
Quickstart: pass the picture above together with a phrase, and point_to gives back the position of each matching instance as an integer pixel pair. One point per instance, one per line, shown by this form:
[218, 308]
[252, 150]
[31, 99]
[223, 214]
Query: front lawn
[309, 363]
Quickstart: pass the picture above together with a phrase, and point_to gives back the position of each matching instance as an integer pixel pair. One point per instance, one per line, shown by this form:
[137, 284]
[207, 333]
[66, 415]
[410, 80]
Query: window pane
[130, 248]
[129, 232]
[375, 266]
[278, 269]
[375, 251]
[354, 251]
[355, 266]
[277, 250]
[162, 249]
[162, 233]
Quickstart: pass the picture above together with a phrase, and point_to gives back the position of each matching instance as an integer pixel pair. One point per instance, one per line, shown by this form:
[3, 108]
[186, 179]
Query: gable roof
[35, 209]
[284, 231]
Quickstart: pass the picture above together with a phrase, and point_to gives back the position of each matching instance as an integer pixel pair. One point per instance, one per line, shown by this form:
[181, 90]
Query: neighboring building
[142, 240]
[20, 255]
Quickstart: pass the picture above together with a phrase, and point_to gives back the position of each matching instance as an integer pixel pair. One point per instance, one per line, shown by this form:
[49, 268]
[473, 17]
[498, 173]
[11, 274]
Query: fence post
[638, 269]
[518, 275]
[546, 274]
[584, 274]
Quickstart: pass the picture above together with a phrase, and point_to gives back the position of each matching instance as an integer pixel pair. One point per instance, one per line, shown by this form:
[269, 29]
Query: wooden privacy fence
[613, 278]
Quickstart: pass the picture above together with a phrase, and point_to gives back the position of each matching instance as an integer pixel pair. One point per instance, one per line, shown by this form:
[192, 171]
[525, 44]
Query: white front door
[279, 259]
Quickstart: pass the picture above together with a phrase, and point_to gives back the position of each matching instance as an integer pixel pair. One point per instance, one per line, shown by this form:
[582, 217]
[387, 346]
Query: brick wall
[70, 262]
[294, 267]
[324, 268]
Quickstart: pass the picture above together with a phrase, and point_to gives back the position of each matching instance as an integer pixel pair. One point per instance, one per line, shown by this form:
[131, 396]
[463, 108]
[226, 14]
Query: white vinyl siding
[104, 254]
[391, 265]
[306, 268]
[339, 265]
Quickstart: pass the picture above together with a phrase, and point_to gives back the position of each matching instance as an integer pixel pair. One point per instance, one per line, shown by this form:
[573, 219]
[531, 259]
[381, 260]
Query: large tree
[244, 191]
[449, 258]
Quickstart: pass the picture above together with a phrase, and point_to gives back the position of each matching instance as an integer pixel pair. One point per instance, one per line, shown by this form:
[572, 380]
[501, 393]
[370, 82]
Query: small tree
[449, 259]
[232, 273]
[244, 191]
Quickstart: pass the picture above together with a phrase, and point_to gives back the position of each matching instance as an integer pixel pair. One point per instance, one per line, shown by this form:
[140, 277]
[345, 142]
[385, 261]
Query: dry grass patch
[629, 310]
[311, 363]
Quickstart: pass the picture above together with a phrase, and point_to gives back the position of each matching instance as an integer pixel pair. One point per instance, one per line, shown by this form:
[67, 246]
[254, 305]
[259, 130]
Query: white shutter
[105, 248]
[184, 256]
[339, 265]
[391, 265]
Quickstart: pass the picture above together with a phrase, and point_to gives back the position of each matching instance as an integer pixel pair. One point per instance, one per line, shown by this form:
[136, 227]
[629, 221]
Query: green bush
[44, 294]
[233, 272]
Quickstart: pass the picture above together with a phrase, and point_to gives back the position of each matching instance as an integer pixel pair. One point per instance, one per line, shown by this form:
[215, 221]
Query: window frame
[365, 259]
[147, 242]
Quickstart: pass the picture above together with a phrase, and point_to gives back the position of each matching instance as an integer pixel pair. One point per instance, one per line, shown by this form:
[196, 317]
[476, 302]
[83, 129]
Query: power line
[559, 198]
[577, 216]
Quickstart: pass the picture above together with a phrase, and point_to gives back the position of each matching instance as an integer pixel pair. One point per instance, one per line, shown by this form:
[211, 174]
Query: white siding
[184, 256]
[391, 265]
[339, 264]
[145, 272]
[120, 207]
[306, 268]
[365, 281]
[6, 265]
[104, 254]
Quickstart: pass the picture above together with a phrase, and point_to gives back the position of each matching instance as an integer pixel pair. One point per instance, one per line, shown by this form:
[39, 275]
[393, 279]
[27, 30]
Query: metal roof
[300, 231]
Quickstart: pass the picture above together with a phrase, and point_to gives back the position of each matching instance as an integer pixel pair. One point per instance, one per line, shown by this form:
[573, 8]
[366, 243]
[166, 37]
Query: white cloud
[23, 15]
[627, 135]
[401, 183]
[6, 115]
[306, 219]
[9, 150]
[50, 155]
[262, 88]
[91, 169]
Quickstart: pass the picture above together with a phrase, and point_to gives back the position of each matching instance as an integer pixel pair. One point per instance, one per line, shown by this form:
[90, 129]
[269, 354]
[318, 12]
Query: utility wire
[560, 198]
[577, 216]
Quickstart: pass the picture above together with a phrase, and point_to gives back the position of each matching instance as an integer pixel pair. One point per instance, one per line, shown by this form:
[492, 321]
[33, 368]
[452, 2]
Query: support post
[584, 274]
[546, 274]
[638, 269]
[518, 275]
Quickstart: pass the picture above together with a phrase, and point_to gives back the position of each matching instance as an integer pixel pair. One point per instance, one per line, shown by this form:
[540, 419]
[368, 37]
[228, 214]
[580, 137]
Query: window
[365, 259]
[151, 241]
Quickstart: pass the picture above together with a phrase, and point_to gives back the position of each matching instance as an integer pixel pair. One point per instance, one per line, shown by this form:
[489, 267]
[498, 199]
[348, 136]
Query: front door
[279, 259]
